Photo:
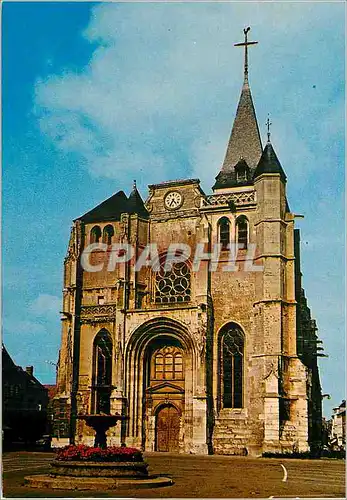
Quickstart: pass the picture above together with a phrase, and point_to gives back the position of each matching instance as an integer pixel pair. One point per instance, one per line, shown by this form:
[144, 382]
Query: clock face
[173, 200]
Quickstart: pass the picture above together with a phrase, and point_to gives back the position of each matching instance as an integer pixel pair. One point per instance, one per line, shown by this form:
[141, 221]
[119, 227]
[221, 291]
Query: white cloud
[46, 305]
[162, 84]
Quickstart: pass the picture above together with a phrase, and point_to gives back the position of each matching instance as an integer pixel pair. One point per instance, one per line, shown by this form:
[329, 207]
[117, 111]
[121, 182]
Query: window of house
[107, 234]
[95, 234]
[101, 300]
[242, 231]
[231, 372]
[224, 232]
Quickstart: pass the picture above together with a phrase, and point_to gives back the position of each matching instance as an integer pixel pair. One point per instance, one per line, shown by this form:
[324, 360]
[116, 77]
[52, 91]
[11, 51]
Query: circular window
[174, 285]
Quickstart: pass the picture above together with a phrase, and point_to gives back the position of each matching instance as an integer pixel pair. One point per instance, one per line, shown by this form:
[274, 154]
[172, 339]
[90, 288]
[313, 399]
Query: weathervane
[268, 124]
[245, 44]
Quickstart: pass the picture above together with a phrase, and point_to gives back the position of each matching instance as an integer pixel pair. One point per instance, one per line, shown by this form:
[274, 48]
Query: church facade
[215, 358]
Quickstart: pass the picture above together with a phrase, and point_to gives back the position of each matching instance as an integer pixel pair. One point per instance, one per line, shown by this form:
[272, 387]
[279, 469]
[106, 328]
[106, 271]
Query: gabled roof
[112, 208]
[269, 163]
[7, 361]
[108, 210]
[14, 373]
[244, 142]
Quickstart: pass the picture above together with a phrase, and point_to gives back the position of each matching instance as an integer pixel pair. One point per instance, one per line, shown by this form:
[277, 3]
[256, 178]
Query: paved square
[198, 476]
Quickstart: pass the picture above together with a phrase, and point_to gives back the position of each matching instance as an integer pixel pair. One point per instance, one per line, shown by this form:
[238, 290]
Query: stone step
[231, 425]
[235, 421]
[232, 430]
[220, 449]
[235, 440]
[231, 435]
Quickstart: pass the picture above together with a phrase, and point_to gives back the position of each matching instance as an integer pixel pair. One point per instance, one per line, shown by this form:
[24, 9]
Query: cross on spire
[245, 44]
[268, 124]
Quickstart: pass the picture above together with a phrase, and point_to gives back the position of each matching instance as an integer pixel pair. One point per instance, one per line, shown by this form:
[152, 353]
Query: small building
[338, 427]
[25, 400]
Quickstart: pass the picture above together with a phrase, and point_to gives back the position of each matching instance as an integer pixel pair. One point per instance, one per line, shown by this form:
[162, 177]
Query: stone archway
[149, 387]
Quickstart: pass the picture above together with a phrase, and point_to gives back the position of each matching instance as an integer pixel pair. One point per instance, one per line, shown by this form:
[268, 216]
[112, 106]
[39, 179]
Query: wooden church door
[168, 428]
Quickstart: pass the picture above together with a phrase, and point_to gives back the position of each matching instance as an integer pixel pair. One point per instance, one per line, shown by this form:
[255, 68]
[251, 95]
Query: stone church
[207, 360]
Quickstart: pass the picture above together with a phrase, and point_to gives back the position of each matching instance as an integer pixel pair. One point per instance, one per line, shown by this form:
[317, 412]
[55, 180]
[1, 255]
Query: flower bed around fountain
[98, 467]
[88, 461]
[95, 454]
[84, 467]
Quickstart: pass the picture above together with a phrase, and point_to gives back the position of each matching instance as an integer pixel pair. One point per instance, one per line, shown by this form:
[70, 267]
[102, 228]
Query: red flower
[89, 453]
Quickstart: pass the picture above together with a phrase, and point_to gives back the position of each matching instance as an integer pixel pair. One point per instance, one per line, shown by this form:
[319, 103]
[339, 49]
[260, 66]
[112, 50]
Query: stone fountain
[98, 475]
[101, 423]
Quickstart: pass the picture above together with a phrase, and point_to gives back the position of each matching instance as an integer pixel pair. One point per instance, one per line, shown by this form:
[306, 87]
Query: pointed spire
[135, 203]
[245, 139]
[269, 163]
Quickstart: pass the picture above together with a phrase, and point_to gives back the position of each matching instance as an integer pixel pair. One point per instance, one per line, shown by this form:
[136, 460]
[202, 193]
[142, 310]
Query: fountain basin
[95, 483]
[100, 423]
[99, 469]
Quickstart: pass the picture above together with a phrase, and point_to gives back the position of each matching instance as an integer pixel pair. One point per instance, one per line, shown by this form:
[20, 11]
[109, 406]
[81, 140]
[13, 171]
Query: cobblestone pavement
[198, 476]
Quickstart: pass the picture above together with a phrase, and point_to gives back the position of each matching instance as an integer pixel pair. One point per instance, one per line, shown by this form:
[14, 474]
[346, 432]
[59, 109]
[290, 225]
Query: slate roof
[269, 163]
[112, 208]
[244, 142]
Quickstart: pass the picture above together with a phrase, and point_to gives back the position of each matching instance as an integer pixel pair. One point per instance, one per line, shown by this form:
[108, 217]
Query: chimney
[30, 370]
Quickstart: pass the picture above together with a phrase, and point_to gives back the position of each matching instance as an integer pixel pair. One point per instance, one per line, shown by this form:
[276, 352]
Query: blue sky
[95, 95]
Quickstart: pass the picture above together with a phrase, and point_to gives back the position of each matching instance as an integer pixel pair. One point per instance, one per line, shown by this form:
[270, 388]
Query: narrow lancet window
[242, 231]
[102, 373]
[224, 232]
[232, 353]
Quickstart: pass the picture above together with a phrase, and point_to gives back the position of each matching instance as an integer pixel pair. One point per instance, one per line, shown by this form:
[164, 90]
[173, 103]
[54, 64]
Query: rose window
[174, 285]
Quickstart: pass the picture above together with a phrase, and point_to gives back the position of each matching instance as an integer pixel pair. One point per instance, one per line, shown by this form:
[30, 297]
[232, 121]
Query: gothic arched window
[242, 230]
[231, 366]
[102, 372]
[95, 234]
[107, 234]
[173, 285]
[224, 232]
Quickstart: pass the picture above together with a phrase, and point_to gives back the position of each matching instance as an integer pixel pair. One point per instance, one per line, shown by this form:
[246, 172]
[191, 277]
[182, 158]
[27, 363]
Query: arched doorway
[167, 428]
[165, 390]
[153, 382]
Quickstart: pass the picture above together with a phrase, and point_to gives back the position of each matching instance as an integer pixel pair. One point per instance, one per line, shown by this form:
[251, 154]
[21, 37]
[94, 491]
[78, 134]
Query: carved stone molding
[239, 199]
[99, 319]
[98, 313]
